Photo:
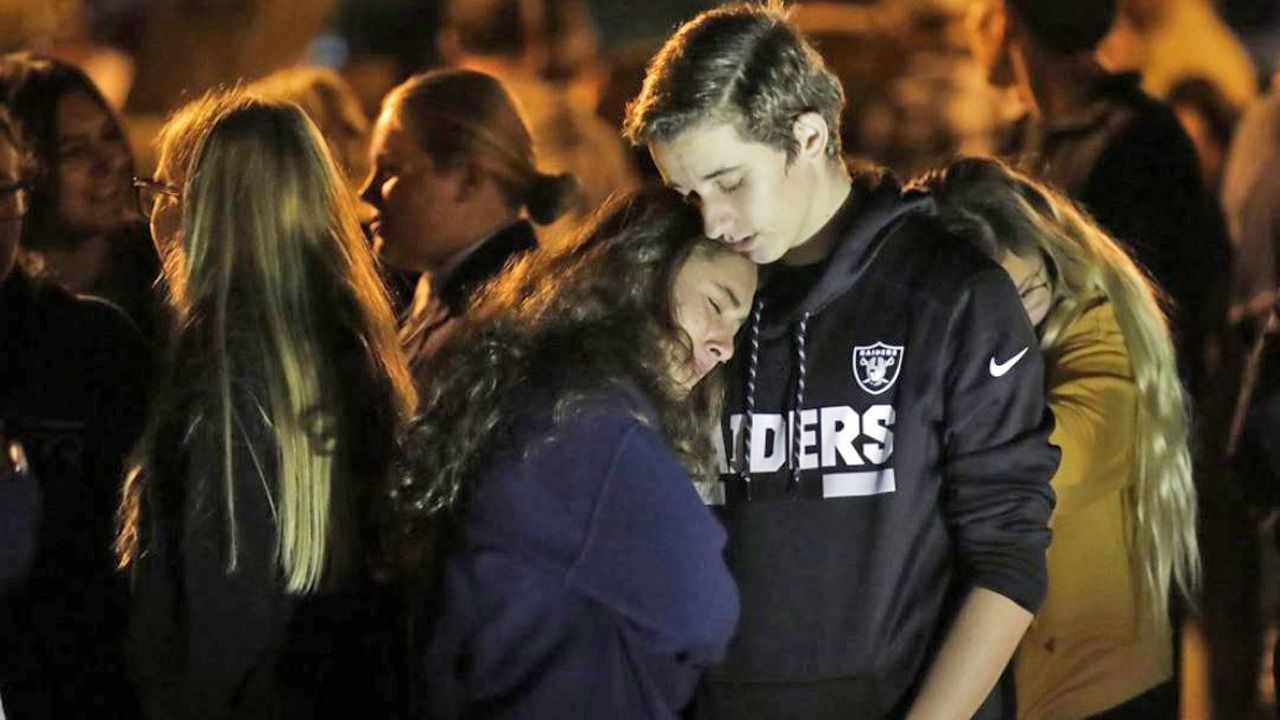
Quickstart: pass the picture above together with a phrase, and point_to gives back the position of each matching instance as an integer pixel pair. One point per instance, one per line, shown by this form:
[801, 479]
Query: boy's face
[751, 198]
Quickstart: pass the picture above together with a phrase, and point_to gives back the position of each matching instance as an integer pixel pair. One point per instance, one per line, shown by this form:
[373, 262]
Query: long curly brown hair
[562, 325]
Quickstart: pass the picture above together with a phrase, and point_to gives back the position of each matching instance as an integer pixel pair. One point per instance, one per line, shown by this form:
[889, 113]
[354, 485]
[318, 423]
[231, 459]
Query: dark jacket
[1128, 161]
[435, 308]
[919, 469]
[132, 283]
[208, 641]
[73, 385]
[588, 581]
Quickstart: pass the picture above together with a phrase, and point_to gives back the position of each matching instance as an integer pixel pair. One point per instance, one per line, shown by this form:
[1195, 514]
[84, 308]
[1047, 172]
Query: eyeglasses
[1039, 280]
[15, 200]
[149, 193]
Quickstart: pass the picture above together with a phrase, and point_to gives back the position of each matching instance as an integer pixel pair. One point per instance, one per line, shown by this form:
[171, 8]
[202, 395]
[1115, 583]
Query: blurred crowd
[1167, 131]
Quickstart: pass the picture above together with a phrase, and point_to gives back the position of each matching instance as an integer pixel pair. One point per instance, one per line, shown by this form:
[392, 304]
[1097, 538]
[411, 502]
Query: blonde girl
[243, 521]
[1125, 521]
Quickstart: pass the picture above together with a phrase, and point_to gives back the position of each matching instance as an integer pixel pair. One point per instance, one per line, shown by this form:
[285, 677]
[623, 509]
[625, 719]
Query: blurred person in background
[1168, 41]
[245, 520]
[1122, 155]
[190, 46]
[1254, 445]
[1251, 202]
[333, 106]
[1110, 147]
[1124, 527]
[73, 383]
[536, 48]
[921, 97]
[1101, 140]
[74, 31]
[1209, 120]
[457, 190]
[83, 228]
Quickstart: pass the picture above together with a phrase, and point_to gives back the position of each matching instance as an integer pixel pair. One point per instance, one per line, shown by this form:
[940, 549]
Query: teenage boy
[887, 465]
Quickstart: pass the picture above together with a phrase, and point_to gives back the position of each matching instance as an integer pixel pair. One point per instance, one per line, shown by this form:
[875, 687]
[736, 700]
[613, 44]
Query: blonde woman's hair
[277, 283]
[1002, 210]
[176, 146]
[332, 104]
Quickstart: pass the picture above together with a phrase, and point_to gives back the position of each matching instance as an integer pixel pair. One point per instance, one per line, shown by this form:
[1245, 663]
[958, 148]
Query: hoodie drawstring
[793, 417]
[744, 456]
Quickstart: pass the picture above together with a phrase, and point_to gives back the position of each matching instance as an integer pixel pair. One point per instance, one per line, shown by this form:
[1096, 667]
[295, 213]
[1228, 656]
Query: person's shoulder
[1091, 347]
[82, 320]
[934, 261]
[915, 251]
[1143, 124]
[1094, 326]
[606, 413]
[102, 326]
[557, 411]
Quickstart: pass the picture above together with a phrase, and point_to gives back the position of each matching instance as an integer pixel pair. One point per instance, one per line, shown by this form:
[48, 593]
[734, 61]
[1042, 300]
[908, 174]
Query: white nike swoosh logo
[999, 369]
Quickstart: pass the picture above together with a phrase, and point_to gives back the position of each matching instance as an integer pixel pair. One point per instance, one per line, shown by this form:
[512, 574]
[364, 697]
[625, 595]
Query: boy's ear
[811, 133]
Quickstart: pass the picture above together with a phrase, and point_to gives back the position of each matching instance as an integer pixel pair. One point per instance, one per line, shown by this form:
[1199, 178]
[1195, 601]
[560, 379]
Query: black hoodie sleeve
[998, 460]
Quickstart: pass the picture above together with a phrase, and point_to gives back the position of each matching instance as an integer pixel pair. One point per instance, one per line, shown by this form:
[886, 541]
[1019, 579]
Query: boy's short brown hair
[741, 64]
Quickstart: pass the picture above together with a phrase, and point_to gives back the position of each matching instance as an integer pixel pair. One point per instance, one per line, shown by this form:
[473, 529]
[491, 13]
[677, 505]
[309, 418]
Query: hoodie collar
[876, 202]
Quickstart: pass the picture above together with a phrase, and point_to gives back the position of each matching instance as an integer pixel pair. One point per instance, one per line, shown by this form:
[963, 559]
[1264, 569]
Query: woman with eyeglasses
[73, 377]
[244, 522]
[1124, 528]
[82, 229]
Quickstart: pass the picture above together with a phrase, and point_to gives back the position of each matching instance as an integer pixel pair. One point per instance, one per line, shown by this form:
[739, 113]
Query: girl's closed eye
[731, 186]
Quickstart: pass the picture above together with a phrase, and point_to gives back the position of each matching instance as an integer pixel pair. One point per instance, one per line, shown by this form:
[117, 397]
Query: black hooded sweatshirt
[918, 466]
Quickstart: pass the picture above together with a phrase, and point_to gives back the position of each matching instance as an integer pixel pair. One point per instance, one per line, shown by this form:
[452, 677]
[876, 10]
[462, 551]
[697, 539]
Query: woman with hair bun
[455, 185]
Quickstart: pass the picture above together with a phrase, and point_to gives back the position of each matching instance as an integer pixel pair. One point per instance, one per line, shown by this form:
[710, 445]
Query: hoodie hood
[876, 202]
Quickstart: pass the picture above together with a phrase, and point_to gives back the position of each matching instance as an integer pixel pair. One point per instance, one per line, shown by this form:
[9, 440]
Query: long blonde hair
[276, 281]
[1002, 210]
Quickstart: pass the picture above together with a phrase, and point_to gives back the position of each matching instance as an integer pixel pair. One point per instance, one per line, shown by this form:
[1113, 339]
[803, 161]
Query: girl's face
[1030, 275]
[94, 194]
[164, 213]
[416, 225]
[711, 298]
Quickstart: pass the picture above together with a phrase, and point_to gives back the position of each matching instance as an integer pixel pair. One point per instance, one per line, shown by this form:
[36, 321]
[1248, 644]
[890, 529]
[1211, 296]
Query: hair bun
[550, 196]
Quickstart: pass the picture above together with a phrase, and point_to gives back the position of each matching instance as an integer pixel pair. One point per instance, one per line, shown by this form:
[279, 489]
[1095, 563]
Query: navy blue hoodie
[589, 581]
[899, 457]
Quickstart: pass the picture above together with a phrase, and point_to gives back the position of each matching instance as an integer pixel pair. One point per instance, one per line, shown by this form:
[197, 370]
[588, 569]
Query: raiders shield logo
[876, 367]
